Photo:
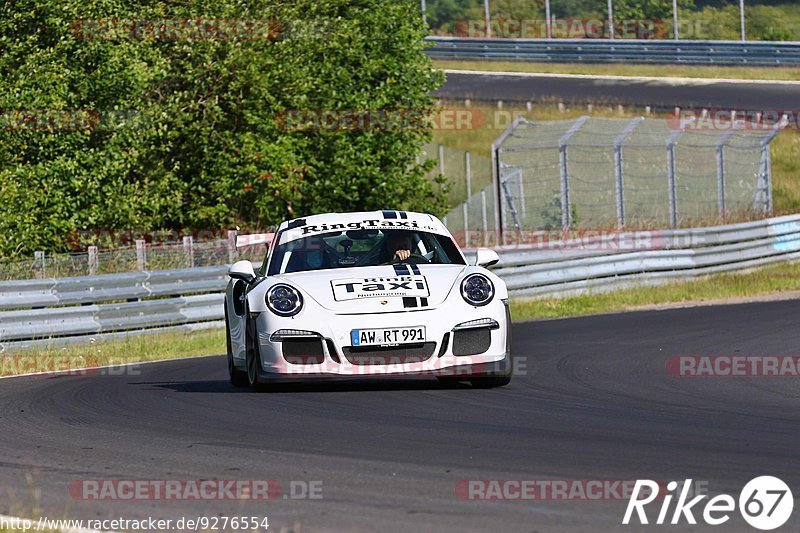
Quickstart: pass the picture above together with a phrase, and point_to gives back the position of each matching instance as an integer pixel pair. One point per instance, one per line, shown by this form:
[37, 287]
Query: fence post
[441, 159]
[619, 178]
[488, 18]
[671, 181]
[721, 171]
[141, 255]
[498, 200]
[92, 260]
[466, 227]
[38, 258]
[231, 245]
[468, 167]
[767, 159]
[566, 208]
[769, 180]
[485, 222]
[188, 249]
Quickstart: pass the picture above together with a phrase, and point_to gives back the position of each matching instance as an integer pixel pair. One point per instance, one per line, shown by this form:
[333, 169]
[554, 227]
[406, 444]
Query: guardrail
[766, 53]
[98, 305]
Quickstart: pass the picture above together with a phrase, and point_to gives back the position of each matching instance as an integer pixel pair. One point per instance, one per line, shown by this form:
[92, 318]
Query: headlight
[284, 300]
[477, 289]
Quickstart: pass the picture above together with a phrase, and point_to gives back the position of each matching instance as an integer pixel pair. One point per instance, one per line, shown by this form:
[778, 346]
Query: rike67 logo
[765, 503]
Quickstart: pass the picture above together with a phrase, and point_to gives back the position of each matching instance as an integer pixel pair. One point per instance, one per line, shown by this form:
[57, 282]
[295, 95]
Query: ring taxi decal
[395, 286]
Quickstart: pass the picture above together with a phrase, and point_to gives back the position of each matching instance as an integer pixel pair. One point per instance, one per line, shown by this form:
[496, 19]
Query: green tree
[188, 133]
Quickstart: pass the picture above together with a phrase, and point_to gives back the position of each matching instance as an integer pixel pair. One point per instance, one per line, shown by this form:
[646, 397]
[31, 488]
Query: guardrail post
[231, 246]
[93, 263]
[38, 259]
[188, 249]
[141, 255]
[671, 182]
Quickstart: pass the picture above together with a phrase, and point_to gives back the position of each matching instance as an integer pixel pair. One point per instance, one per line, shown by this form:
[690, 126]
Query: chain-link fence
[585, 173]
[615, 173]
[141, 256]
[721, 20]
[469, 176]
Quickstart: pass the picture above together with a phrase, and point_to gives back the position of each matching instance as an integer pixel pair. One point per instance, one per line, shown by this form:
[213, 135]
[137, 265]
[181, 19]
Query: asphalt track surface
[595, 402]
[666, 93]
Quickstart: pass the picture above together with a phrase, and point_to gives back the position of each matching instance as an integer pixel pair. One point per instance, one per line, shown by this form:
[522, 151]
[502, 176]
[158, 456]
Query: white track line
[93, 368]
[663, 80]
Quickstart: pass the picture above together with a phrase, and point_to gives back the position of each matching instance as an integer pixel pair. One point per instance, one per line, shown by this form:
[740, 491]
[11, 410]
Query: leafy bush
[148, 133]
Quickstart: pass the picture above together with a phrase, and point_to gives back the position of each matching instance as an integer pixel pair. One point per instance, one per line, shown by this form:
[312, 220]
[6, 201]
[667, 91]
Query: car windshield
[357, 248]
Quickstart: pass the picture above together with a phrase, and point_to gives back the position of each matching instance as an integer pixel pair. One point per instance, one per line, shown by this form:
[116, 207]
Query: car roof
[368, 219]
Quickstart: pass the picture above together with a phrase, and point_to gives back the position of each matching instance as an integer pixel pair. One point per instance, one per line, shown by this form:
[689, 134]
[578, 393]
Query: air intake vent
[471, 341]
[396, 355]
[303, 351]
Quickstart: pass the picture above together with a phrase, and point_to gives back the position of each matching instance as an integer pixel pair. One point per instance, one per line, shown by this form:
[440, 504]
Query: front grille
[395, 355]
[303, 351]
[332, 351]
[471, 341]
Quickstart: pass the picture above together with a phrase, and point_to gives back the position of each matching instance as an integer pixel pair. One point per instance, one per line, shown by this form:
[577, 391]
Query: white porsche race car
[381, 293]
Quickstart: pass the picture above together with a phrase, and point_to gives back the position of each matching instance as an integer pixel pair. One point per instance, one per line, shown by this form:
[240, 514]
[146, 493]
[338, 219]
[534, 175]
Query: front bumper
[335, 332]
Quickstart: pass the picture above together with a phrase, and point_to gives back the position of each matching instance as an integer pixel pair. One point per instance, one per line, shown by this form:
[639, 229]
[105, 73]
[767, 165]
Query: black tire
[253, 357]
[491, 381]
[500, 378]
[238, 378]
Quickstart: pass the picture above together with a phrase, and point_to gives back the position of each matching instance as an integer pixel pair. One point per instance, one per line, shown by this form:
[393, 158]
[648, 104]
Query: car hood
[377, 289]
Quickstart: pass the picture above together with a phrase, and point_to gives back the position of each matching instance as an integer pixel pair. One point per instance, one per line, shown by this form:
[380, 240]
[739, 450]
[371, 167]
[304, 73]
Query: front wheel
[491, 381]
[238, 378]
[501, 378]
[253, 358]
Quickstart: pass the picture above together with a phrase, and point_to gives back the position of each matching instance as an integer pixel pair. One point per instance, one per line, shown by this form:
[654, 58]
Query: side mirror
[242, 270]
[486, 257]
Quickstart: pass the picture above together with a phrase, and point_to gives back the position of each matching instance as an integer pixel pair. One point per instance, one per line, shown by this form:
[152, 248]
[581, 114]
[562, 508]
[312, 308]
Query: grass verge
[616, 69]
[766, 281]
[132, 349]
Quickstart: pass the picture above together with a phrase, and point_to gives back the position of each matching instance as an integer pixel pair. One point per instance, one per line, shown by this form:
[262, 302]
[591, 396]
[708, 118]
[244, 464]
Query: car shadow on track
[354, 385]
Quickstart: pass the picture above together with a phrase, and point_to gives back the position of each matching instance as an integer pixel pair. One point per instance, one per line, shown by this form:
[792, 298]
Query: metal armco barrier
[662, 256]
[98, 305]
[618, 50]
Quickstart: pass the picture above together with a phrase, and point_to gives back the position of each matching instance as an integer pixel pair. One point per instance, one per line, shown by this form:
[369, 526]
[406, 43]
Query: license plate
[387, 336]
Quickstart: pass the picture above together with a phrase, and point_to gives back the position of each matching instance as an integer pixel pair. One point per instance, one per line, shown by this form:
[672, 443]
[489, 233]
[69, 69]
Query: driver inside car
[397, 246]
